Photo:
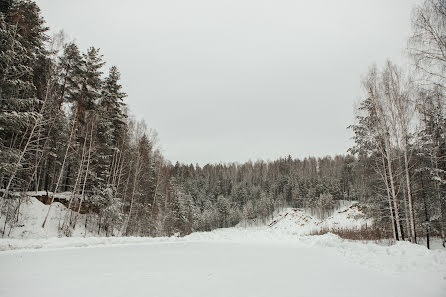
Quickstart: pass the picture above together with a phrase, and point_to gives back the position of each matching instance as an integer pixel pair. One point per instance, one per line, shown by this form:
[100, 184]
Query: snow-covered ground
[259, 261]
[227, 262]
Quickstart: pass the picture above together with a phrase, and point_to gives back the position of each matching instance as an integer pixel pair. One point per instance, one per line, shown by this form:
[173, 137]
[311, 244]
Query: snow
[281, 260]
[32, 214]
[301, 222]
[227, 262]
[291, 220]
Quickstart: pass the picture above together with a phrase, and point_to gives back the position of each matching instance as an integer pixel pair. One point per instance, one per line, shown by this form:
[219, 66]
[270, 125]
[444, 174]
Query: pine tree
[111, 121]
[18, 104]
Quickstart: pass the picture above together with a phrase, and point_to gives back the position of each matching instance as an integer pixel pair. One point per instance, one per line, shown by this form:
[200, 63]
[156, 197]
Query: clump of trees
[400, 132]
[65, 127]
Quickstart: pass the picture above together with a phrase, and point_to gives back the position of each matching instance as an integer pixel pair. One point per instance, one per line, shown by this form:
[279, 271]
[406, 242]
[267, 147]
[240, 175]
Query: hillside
[301, 222]
[292, 221]
[32, 213]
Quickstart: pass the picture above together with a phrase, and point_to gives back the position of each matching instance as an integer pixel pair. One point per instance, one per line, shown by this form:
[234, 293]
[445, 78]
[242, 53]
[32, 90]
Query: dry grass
[363, 233]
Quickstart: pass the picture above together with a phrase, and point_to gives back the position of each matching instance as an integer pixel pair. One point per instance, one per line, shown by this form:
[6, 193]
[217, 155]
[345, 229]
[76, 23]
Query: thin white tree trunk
[118, 181]
[392, 217]
[112, 166]
[409, 195]
[19, 160]
[156, 189]
[79, 173]
[124, 198]
[135, 181]
[39, 159]
[118, 167]
[85, 177]
[393, 191]
[60, 174]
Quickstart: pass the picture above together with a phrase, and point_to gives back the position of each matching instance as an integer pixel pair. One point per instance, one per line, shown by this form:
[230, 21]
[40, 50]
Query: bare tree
[400, 110]
[427, 45]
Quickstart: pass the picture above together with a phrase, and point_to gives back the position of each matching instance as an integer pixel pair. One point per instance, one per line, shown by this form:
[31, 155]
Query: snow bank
[32, 214]
[299, 222]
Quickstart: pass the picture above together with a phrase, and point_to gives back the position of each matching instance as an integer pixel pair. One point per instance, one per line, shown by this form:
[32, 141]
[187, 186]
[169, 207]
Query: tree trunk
[427, 219]
[135, 180]
[60, 175]
[85, 178]
[79, 173]
[392, 218]
[409, 196]
[393, 191]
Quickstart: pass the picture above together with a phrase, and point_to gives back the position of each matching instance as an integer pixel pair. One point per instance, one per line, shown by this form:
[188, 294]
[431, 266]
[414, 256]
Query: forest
[65, 128]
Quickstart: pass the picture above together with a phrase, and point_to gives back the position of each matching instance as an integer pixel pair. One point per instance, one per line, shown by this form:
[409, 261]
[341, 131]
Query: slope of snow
[32, 214]
[300, 222]
[291, 220]
[350, 217]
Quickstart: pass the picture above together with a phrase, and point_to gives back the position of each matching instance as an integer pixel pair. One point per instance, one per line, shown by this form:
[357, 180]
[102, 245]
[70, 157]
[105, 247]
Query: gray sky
[236, 80]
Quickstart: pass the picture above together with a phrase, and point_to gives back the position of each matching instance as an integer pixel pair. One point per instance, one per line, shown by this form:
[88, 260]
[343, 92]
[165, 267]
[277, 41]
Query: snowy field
[227, 262]
[275, 260]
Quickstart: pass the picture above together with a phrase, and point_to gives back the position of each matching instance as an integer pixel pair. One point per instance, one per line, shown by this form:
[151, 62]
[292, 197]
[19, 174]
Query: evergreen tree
[18, 102]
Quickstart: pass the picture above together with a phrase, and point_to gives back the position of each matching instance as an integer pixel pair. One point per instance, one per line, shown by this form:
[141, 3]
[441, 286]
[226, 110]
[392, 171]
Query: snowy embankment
[30, 233]
[300, 222]
[291, 220]
[32, 215]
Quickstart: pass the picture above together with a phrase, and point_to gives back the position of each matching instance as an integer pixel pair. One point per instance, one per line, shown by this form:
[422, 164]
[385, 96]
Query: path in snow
[211, 265]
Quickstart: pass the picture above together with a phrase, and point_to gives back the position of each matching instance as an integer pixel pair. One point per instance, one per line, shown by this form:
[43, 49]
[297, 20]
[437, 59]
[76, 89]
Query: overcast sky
[234, 80]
